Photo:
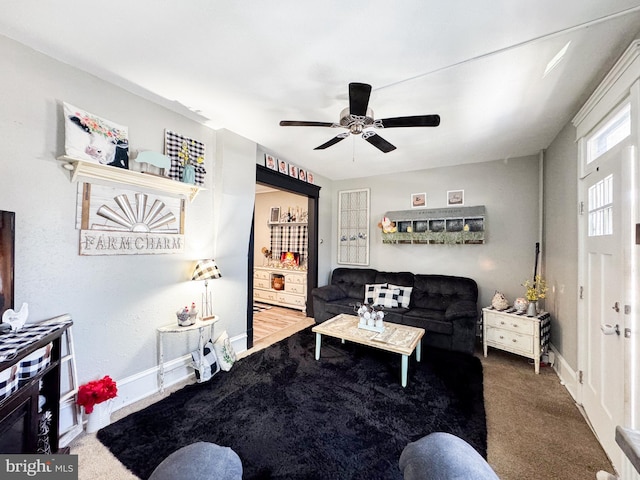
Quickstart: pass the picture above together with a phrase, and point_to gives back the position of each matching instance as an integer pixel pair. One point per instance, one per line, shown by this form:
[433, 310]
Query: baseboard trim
[146, 383]
[568, 376]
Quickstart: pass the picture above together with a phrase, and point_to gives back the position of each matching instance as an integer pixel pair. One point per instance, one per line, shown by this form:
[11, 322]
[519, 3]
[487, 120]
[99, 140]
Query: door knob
[616, 307]
[610, 329]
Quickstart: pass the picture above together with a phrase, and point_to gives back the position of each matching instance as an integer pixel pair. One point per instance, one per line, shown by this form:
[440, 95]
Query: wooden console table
[200, 325]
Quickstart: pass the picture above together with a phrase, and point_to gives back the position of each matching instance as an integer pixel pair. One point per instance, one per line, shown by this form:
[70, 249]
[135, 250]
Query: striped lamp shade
[206, 269]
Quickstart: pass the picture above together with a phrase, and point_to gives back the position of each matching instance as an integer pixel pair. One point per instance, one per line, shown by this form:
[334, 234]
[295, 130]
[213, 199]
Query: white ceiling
[247, 65]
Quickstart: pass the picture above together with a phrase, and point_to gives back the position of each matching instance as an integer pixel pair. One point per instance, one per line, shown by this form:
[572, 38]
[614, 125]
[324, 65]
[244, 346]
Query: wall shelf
[79, 168]
[286, 224]
[454, 225]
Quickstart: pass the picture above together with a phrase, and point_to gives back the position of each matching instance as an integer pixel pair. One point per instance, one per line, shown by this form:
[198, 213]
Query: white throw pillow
[387, 297]
[405, 295]
[371, 292]
[224, 351]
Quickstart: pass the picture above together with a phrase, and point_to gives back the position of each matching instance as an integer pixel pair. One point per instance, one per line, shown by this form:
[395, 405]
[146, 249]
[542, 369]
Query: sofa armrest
[462, 309]
[328, 293]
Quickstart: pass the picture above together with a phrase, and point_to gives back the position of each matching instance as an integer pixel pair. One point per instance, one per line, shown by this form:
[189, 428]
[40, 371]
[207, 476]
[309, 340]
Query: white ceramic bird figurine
[16, 319]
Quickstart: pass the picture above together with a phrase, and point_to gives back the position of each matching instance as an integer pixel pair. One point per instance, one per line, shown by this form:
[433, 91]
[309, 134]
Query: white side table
[200, 325]
[516, 333]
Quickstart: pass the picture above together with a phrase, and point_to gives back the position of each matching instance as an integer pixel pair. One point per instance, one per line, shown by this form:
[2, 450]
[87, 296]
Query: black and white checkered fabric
[290, 238]
[12, 343]
[210, 363]
[387, 297]
[8, 381]
[33, 363]
[206, 269]
[173, 143]
[545, 331]
[371, 292]
[404, 298]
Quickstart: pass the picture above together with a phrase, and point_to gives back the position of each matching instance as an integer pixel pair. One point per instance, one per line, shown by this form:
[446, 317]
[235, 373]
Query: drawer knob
[501, 323]
[501, 337]
[515, 325]
[514, 340]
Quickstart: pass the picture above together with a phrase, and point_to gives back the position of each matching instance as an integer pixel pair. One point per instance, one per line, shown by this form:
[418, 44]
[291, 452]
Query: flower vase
[531, 309]
[99, 418]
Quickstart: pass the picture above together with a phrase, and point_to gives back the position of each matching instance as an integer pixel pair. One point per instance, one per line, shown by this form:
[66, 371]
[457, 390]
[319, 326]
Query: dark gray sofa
[445, 306]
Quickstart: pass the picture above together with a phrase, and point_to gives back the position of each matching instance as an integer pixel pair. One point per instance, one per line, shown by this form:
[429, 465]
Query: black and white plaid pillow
[209, 365]
[371, 292]
[405, 295]
[387, 297]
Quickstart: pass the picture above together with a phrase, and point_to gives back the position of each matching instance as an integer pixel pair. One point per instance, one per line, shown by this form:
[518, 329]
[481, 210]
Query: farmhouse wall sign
[123, 222]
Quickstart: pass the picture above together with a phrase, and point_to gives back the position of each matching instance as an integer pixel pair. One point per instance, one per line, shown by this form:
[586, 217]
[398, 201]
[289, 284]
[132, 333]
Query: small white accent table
[200, 325]
[396, 338]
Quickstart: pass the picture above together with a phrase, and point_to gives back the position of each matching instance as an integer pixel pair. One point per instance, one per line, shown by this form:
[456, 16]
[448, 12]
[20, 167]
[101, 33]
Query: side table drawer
[261, 283]
[291, 299]
[295, 288]
[265, 295]
[295, 279]
[510, 341]
[523, 325]
[261, 274]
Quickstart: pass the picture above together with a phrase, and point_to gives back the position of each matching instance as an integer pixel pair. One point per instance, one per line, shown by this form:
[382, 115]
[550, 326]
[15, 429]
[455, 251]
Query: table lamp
[205, 270]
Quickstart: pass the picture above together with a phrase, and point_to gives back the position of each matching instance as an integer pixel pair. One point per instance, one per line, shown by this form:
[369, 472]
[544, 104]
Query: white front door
[602, 304]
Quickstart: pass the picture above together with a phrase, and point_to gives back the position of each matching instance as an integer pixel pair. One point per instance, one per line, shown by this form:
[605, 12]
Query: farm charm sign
[93, 242]
[116, 223]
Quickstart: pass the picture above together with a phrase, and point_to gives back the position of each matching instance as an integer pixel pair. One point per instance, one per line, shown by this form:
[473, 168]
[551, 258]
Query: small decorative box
[8, 381]
[34, 363]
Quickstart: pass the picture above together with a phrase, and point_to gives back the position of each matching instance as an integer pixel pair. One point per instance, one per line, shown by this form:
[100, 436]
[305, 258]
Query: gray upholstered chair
[200, 461]
[442, 456]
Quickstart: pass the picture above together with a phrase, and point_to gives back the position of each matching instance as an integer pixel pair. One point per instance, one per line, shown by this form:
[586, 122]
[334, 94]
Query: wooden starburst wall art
[125, 222]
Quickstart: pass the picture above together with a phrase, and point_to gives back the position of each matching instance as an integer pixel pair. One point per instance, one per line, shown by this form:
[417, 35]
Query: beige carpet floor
[535, 430]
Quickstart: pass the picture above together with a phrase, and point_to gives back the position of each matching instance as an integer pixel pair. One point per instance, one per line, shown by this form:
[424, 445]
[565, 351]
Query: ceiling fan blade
[413, 121]
[378, 142]
[296, 123]
[333, 141]
[359, 98]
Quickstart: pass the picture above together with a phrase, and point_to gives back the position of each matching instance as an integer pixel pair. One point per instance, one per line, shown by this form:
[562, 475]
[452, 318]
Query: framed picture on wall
[274, 216]
[293, 171]
[455, 197]
[283, 167]
[270, 162]
[309, 177]
[302, 175]
[418, 200]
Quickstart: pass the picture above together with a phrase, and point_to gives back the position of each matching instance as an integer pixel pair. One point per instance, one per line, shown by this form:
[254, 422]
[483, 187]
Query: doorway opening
[288, 298]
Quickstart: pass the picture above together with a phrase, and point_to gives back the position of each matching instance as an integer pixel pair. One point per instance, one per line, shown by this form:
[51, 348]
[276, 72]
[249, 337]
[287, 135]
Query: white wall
[560, 245]
[116, 301]
[509, 191]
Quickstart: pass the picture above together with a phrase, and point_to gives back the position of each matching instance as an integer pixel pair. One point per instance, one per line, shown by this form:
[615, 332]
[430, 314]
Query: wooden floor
[274, 324]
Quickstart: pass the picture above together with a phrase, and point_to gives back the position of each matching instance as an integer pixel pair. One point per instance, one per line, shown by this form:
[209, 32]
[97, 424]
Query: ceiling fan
[358, 117]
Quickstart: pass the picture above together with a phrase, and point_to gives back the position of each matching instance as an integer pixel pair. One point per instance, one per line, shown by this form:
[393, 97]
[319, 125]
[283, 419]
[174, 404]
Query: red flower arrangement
[96, 391]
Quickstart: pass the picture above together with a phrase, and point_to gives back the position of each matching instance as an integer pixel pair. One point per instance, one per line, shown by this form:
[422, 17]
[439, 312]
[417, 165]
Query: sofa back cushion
[404, 279]
[436, 292]
[353, 280]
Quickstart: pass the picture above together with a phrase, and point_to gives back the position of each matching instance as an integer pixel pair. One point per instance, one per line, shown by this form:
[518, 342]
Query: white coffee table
[396, 338]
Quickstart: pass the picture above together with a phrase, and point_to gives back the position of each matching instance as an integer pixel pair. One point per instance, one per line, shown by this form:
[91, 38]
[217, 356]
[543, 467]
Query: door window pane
[600, 198]
[610, 134]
